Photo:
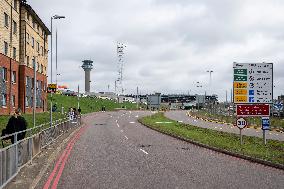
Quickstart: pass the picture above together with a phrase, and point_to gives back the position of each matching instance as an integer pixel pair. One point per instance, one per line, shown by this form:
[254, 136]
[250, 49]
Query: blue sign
[265, 123]
[278, 107]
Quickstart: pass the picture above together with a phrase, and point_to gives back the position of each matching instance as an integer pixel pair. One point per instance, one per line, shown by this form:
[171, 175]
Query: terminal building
[23, 44]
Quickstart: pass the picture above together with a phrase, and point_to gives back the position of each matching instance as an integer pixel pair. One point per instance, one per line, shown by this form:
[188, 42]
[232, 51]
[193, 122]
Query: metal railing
[15, 156]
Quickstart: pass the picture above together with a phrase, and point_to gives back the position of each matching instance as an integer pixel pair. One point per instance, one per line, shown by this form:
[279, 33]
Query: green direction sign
[240, 71]
[240, 78]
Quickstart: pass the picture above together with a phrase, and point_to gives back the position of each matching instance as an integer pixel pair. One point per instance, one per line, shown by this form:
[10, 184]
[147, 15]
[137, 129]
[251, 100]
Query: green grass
[254, 121]
[253, 146]
[87, 105]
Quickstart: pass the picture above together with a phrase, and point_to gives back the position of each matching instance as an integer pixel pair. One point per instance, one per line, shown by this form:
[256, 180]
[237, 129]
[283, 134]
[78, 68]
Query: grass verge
[253, 147]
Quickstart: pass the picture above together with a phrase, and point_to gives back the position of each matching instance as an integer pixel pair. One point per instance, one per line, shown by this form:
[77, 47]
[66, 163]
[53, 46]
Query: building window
[15, 5]
[33, 42]
[14, 53]
[41, 50]
[28, 38]
[14, 77]
[27, 80]
[6, 20]
[28, 61]
[41, 68]
[37, 67]
[4, 74]
[33, 23]
[13, 100]
[5, 48]
[4, 99]
[37, 45]
[27, 101]
[14, 27]
[34, 63]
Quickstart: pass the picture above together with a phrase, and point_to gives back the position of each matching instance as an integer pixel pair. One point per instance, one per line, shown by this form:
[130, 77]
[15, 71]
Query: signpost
[253, 83]
[241, 123]
[253, 110]
[253, 93]
[52, 88]
[265, 126]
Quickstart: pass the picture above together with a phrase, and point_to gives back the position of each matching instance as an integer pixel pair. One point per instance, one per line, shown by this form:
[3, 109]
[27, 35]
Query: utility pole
[78, 97]
[137, 98]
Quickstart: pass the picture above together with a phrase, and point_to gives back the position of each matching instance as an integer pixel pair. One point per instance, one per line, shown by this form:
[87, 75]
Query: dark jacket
[16, 125]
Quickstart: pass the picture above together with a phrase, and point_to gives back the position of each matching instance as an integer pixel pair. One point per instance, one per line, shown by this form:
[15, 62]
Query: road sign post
[253, 92]
[265, 126]
[241, 123]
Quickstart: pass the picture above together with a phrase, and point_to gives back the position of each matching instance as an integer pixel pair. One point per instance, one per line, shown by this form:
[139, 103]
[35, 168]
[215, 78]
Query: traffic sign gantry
[241, 123]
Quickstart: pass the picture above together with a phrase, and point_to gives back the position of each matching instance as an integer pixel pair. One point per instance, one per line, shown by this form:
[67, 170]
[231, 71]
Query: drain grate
[100, 124]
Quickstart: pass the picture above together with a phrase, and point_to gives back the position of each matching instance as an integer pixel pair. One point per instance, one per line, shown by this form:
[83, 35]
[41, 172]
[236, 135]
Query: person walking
[16, 123]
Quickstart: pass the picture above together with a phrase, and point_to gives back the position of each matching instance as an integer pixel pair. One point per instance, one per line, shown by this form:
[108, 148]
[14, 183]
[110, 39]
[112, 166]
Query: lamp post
[51, 56]
[34, 95]
[198, 85]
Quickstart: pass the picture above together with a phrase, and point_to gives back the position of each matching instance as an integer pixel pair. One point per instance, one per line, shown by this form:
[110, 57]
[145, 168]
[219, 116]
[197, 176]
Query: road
[180, 115]
[115, 151]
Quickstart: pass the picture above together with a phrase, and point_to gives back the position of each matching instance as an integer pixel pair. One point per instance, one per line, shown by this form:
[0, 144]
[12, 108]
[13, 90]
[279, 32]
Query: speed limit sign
[241, 123]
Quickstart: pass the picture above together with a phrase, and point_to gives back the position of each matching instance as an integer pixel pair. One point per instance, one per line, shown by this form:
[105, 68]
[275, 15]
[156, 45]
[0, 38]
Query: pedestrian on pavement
[16, 123]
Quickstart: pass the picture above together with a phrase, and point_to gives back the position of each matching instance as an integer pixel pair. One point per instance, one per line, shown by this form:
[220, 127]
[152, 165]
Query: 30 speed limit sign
[241, 123]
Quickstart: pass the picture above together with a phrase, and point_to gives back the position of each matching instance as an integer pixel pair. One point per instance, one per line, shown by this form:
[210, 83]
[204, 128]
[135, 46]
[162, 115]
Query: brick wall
[11, 88]
[24, 72]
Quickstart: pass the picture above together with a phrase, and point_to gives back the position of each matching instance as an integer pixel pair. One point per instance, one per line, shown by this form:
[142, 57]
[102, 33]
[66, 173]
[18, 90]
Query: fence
[17, 155]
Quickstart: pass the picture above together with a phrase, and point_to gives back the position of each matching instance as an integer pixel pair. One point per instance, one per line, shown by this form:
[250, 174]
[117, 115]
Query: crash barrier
[17, 155]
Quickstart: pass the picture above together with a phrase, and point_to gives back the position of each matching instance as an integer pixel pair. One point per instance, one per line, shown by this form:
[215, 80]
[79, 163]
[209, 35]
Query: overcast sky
[170, 43]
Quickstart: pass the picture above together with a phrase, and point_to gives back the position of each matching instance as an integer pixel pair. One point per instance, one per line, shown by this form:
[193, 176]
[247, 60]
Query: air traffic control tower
[87, 66]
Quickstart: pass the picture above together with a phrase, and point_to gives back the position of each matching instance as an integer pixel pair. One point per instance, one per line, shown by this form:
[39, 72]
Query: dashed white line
[132, 122]
[144, 151]
[117, 125]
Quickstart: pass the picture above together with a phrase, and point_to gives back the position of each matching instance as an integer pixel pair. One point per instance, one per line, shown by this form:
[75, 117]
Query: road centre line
[144, 151]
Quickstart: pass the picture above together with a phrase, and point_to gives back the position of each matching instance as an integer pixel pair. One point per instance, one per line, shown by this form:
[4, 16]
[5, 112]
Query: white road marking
[116, 121]
[216, 127]
[221, 128]
[126, 137]
[121, 130]
[137, 116]
[117, 125]
[132, 122]
[180, 121]
[144, 151]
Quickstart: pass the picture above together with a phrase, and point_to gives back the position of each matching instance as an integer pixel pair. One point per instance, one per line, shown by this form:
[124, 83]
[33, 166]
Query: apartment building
[9, 55]
[23, 45]
[33, 52]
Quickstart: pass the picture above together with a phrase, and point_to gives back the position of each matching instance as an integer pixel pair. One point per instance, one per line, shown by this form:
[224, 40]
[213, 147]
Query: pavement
[113, 150]
[181, 116]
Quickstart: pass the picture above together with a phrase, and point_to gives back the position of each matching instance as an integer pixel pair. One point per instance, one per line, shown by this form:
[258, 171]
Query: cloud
[170, 44]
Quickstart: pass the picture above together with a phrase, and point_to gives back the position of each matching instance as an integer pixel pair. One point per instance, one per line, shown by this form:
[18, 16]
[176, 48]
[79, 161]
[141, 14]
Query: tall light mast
[120, 66]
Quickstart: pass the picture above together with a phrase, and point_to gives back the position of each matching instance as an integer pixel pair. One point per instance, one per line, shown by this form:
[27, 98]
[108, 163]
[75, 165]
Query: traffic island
[252, 149]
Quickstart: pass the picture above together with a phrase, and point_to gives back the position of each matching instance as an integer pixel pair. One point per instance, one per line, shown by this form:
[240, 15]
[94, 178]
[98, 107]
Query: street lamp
[210, 78]
[51, 56]
[34, 95]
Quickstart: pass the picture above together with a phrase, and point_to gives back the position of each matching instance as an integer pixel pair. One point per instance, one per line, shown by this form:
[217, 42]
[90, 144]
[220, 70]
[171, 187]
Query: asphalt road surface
[182, 117]
[114, 151]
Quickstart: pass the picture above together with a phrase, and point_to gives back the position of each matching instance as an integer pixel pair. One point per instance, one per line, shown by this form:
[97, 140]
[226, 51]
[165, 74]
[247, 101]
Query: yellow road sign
[240, 92]
[239, 99]
[240, 85]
